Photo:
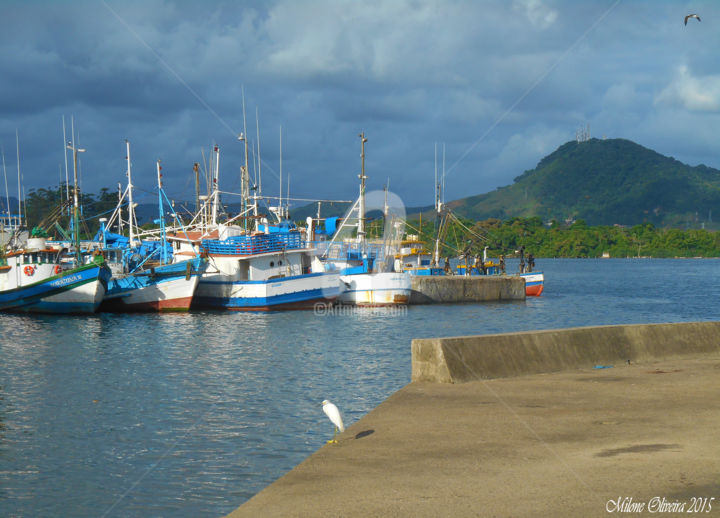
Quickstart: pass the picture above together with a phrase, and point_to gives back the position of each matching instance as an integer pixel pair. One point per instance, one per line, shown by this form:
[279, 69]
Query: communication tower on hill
[583, 134]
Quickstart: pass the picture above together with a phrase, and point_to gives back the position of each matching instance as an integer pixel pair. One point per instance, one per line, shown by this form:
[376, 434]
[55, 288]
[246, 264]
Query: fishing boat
[264, 272]
[145, 276]
[413, 255]
[37, 278]
[414, 258]
[145, 281]
[256, 262]
[367, 277]
[364, 281]
[32, 279]
[534, 283]
[168, 287]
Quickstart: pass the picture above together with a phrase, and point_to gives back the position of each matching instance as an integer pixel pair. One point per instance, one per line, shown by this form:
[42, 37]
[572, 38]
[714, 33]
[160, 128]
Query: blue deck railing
[350, 251]
[258, 244]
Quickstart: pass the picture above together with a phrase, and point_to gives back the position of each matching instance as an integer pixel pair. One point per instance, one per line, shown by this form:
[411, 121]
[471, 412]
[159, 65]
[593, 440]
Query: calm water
[190, 415]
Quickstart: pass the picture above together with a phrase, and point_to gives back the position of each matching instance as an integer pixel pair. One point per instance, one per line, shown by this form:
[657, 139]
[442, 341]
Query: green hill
[605, 182]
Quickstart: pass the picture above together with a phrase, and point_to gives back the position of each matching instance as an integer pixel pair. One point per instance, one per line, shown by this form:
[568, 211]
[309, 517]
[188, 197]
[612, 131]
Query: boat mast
[120, 221]
[280, 205]
[7, 192]
[257, 125]
[245, 174]
[361, 207]
[131, 206]
[207, 171]
[386, 207]
[163, 237]
[443, 176]
[196, 170]
[67, 181]
[76, 218]
[216, 192]
[258, 190]
[17, 144]
[438, 209]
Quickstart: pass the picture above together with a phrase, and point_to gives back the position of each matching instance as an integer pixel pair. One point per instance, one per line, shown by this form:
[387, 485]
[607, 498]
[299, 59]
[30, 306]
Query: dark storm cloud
[501, 83]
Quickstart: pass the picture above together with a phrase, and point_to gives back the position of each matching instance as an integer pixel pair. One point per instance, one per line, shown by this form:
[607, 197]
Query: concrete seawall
[445, 289]
[581, 442]
[468, 358]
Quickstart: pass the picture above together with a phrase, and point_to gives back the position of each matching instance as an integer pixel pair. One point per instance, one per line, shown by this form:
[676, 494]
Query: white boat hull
[170, 295]
[298, 292]
[376, 289]
[82, 299]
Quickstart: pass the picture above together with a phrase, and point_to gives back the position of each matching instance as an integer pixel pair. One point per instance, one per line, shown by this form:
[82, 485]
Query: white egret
[334, 414]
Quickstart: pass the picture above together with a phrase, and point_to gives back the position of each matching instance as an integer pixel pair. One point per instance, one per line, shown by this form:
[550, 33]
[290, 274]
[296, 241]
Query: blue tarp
[331, 225]
[112, 240]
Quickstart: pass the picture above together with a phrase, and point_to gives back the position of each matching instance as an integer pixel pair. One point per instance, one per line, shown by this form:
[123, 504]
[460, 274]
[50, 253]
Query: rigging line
[470, 231]
[292, 199]
[170, 69]
[532, 87]
[444, 243]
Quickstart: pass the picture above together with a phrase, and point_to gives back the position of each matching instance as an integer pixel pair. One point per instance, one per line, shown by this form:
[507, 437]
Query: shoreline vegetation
[576, 240]
[551, 239]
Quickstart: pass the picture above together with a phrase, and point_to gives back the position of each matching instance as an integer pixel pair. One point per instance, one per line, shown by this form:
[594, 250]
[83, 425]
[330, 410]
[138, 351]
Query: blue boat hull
[79, 290]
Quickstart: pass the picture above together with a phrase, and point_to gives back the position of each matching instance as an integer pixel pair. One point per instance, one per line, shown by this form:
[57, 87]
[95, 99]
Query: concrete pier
[466, 358]
[581, 441]
[432, 289]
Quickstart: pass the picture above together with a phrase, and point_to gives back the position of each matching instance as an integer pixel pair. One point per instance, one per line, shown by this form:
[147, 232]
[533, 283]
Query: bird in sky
[334, 414]
[692, 16]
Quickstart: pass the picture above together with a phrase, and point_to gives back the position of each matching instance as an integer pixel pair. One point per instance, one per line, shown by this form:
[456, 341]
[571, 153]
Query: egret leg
[333, 440]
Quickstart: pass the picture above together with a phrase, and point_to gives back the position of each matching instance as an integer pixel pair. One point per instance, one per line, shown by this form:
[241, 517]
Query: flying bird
[334, 414]
[692, 16]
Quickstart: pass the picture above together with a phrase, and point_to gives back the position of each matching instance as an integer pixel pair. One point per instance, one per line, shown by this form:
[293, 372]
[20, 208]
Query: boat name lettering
[66, 280]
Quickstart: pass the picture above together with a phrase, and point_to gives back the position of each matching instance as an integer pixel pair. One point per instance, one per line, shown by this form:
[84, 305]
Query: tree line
[462, 235]
[43, 208]
[574, 240]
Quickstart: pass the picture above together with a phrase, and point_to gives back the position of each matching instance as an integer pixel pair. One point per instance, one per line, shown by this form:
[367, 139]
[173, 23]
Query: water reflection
[219, 404]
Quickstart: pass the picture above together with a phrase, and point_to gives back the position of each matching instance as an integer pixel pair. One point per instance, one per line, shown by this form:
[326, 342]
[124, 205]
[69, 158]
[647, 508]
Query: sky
[497, 84]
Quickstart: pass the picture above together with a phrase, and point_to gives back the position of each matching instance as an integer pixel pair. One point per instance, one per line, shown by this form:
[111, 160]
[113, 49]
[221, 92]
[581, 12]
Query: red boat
[534, 282]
